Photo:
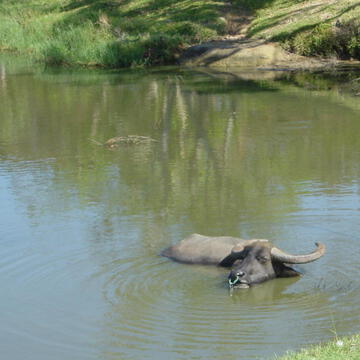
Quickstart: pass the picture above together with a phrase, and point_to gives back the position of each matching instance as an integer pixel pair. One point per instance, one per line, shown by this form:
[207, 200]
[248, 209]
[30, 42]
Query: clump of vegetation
[340, 39]
[310, 27]
[154, 32]
[107, 33]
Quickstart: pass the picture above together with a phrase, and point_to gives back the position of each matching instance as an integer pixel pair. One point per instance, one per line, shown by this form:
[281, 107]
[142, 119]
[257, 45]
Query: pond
[247, 154]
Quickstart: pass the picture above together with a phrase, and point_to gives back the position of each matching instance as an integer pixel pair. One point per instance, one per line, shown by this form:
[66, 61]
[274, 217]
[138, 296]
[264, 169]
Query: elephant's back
[200, 249]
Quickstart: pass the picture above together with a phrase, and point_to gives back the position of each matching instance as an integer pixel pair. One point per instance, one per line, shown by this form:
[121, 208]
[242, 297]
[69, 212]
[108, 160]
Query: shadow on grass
[98, 4]
[275, 20]
[253, 4]
[143, 16]
[286, 34]
[77, 12]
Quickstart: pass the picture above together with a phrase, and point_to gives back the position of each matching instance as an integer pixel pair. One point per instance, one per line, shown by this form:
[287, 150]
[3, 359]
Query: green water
[81, 226]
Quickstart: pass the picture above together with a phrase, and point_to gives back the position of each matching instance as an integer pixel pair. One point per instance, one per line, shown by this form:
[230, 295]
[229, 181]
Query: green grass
[107, 33]
[311, 27]
[122, 33]
[339, 349]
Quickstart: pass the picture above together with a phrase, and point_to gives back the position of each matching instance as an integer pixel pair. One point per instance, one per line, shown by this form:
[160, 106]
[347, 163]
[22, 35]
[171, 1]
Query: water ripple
[155, 299]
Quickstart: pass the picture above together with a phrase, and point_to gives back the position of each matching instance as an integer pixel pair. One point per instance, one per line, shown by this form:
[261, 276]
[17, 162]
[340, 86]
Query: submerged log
[125, 140]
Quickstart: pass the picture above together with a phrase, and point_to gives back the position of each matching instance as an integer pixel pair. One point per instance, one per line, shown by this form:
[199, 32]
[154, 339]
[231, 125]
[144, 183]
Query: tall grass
[105, 33]
[148, 32]
[84, 44]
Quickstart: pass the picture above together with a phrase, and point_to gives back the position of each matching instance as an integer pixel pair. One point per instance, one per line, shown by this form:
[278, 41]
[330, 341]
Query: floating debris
[125, 140]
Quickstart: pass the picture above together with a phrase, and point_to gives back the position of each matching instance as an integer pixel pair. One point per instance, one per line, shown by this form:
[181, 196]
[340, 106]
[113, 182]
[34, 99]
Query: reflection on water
[82, 225]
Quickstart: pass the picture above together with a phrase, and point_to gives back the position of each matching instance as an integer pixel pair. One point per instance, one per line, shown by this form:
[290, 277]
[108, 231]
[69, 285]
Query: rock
[246, 53]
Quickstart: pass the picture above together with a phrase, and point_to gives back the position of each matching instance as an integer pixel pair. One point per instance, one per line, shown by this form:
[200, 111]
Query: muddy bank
[257, 54]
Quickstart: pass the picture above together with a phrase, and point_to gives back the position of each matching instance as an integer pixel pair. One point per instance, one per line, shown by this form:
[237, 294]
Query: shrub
[351, 34]
[123, 53]
[319, 41]
[341, 40]
[161, 49]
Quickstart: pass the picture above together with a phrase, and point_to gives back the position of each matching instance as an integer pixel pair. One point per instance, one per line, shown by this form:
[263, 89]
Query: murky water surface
[81, 226]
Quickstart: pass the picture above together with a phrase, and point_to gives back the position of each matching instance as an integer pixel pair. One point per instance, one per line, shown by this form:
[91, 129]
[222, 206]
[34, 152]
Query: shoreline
[225, 55]
[257, 54]
[347, 347]
[210, 33]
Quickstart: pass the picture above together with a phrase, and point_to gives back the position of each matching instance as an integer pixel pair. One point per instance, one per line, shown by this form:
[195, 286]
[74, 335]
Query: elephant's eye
[238, 261]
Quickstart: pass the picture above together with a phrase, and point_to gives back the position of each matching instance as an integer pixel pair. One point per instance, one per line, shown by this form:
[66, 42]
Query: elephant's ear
[228, 260]
[285, 271]
[233, 256]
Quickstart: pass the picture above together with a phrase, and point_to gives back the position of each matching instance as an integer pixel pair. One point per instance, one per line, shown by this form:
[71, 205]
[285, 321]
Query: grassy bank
[329, 28]
[347, 348]
[122, 33]
[107, 33]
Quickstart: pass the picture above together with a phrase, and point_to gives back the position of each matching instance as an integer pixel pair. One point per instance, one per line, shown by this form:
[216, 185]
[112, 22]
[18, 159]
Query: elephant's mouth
[242, 286]
[238, 283]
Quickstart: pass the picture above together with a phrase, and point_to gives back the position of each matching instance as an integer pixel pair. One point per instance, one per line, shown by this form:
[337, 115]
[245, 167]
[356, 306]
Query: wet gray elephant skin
[251, 261]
